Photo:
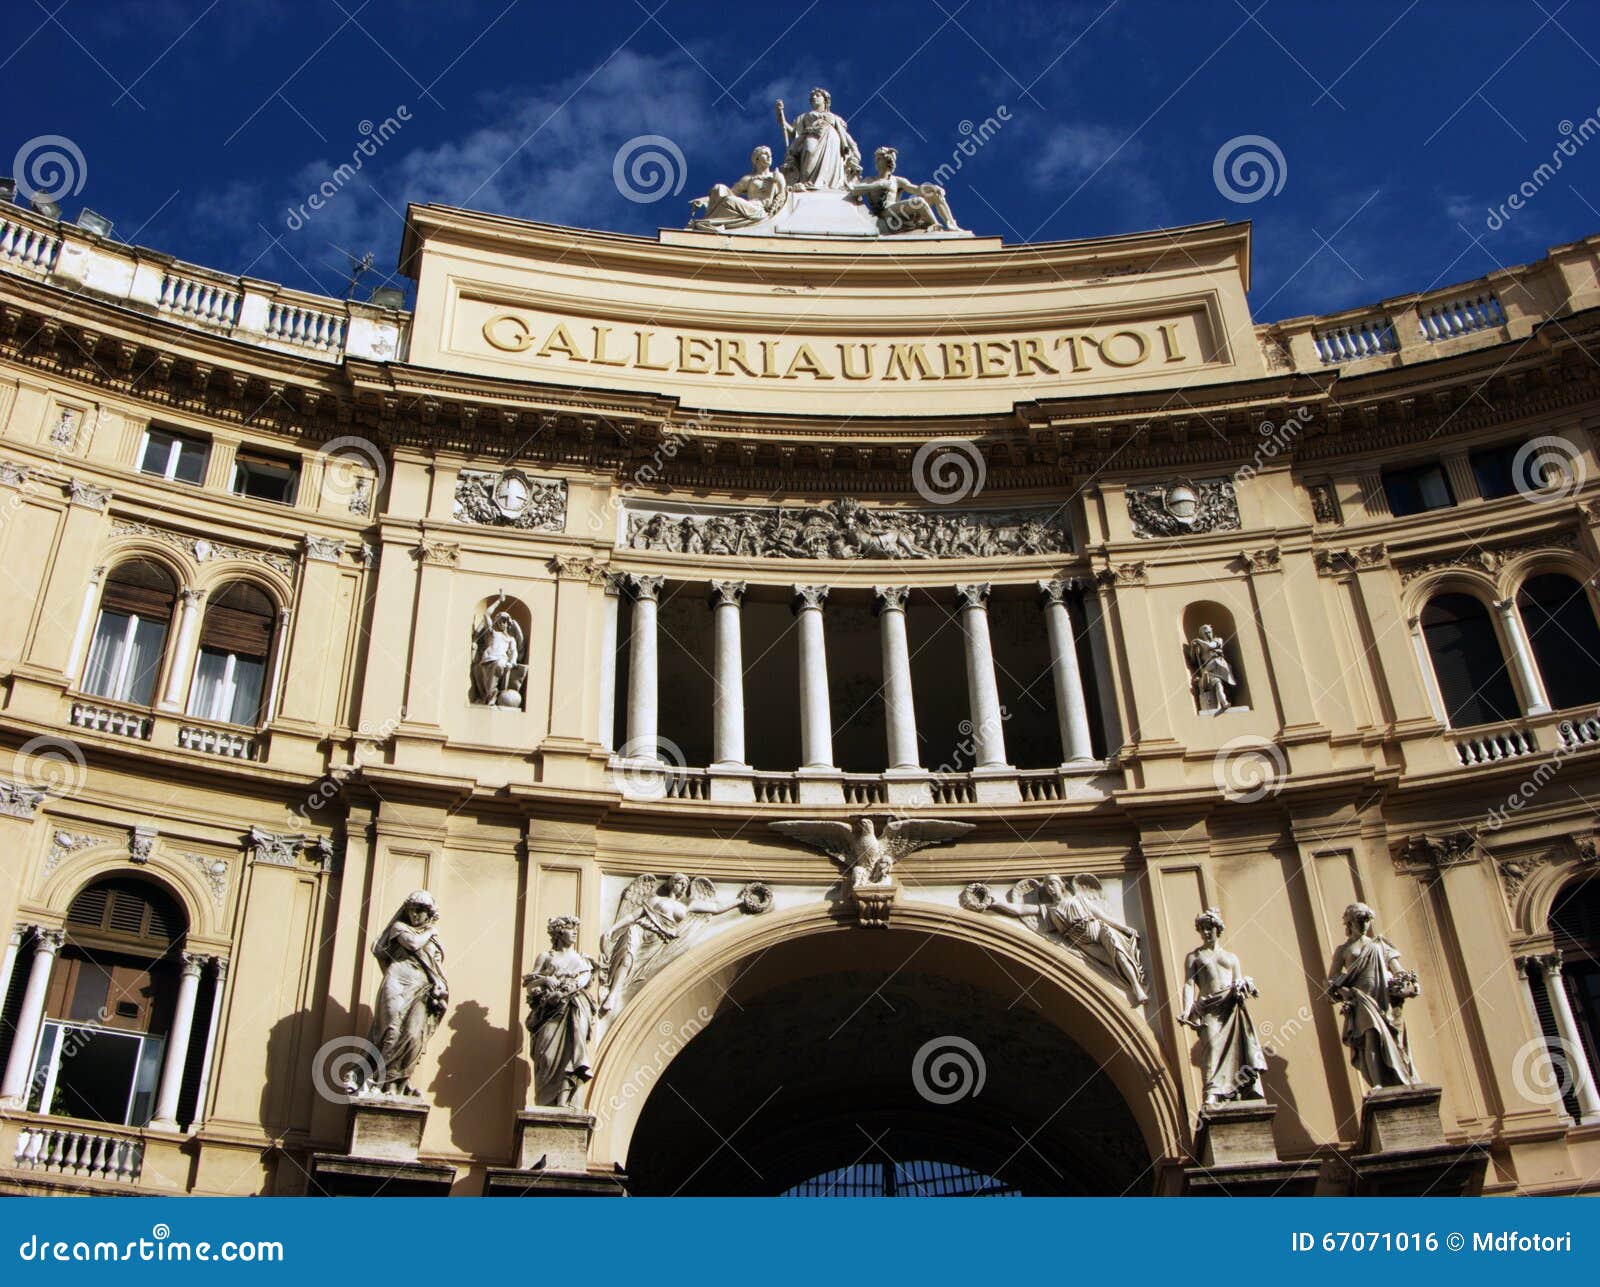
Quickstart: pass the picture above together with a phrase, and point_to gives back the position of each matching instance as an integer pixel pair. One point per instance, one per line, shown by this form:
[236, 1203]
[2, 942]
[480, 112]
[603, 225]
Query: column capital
[1504, 606]
[887, 598]
[1056, 591]
[973, 595]
[17, 931]
[614, 583]
[727, 592]
[191, 964]
[810, 596]
[49, 940]
[191, 598]
[1548, 962]
[645, 587]
[222, 968]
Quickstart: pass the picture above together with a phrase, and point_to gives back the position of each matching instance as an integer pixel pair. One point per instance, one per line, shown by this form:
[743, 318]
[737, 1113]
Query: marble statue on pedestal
[561, 1016]
[899, 204]
[867, 859]
[821, 154]
[1215, 989]
[754, 198]
[656, 920]
[497, 672]
[1073, 912]
[1211, 674]
[1372, 989]
[411, 998]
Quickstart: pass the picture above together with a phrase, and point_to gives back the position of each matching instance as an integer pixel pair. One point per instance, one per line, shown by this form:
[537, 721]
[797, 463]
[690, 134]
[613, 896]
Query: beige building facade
[615, 550]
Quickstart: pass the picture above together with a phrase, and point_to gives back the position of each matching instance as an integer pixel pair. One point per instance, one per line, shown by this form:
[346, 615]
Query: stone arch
[80, 871]
[219, 574]
[685, 1001]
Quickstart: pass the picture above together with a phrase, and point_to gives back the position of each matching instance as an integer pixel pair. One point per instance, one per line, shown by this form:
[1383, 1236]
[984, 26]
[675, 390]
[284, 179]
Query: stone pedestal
[380, 1157]
[1403, 1151]
[553, 1159]
[1239, 1157]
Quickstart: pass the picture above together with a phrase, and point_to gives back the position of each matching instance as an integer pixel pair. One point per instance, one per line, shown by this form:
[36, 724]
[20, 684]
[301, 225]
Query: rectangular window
[125, 657]
[1495, 470]
[267, 478]
[177, 457]
[95, 1074]
[1416, 490]
[227, 687]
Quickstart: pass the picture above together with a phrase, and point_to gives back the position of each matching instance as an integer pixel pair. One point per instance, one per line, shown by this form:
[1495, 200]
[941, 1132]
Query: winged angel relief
[657, 919]
[1071, 911]
[867, 858]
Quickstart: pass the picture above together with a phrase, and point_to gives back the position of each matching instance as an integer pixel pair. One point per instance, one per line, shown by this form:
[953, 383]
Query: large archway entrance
[830, 1060]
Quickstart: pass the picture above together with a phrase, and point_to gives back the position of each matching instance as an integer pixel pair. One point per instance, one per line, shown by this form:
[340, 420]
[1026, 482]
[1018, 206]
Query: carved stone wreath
[511, 499]
[1183, 508]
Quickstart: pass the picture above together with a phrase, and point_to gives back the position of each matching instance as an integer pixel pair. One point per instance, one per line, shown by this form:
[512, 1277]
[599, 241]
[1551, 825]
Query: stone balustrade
[82, 1154]
[254, 312]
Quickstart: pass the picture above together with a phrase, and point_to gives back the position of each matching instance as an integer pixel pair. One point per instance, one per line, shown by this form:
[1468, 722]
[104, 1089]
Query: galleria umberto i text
[820, 700]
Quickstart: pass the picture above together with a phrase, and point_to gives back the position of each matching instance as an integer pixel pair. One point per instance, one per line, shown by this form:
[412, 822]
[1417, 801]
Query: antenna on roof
[357, 268]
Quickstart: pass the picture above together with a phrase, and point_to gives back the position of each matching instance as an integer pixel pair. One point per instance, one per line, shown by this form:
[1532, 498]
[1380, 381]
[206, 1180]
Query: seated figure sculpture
[755, 198]
[899, 204]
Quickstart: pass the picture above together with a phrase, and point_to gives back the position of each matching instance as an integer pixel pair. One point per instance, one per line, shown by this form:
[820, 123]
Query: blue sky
[1400, 125]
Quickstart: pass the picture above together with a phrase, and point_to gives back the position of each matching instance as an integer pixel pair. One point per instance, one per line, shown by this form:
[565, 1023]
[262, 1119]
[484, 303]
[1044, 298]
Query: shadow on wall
[481, 1081]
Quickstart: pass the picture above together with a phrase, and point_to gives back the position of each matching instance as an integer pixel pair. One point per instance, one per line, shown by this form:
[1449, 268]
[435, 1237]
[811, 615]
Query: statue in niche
[561, 1016]
[1072, 911]
[820, 152]
[1210, 672]
[899, 204]
[755, 198]
[868, 859]
[1372, 989]
[1215, 989]
[498, 674]
[656, 921]
[411, 998]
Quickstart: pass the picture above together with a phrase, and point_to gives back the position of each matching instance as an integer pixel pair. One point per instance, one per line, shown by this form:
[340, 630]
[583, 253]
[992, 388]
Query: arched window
[1472, 675]
[130, 635]
[1575, 924]
[1564, 637]
[110, 1006]
[230, 672]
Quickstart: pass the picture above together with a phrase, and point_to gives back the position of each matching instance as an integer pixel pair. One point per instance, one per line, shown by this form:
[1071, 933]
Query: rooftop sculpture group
[820, 156]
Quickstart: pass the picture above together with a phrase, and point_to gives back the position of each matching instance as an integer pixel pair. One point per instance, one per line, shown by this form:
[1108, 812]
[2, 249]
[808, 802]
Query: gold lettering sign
[1106, 350]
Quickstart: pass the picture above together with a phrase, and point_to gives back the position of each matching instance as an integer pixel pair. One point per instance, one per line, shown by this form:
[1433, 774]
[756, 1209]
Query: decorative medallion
[511, 499]
[1183, 508]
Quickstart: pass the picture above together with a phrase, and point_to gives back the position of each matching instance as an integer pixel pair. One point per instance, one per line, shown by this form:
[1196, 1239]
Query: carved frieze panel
[511, 499]
[202, 550]
[1489, 559]
[1183, 508]
[847, 529]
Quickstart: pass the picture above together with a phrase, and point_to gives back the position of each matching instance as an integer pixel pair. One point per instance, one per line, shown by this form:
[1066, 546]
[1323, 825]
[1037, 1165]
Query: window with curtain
[230, 670]
[130, 634]
[1564, 637]
[1473, 679]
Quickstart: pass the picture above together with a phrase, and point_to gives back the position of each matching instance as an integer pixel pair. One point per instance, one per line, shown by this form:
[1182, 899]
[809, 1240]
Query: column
[178, 675]
[900, 713]
[14, 1084]
[1532, 685]
[606, 734]
[643, 735]
[280, 646]
[983, 695]
[177, 1055]
[1572, 1044]
[1430, 681]
[816, 720]
[727, 702]
[1072, 711]
[211, 1040]
[91, 593]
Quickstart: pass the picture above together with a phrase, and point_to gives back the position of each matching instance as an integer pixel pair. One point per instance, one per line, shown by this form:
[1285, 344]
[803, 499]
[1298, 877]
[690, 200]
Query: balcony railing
[1494, 746]
[83, 1154]
[112, 719]
[1461, 315]
[242, 308]
[1364, 338]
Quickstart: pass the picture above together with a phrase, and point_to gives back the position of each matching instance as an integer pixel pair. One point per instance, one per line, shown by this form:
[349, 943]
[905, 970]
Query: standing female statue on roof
[821, 154]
